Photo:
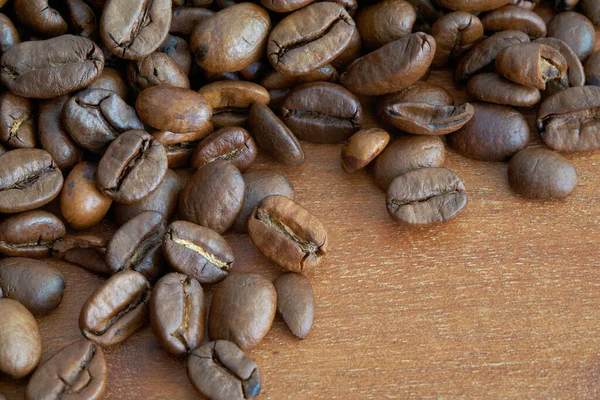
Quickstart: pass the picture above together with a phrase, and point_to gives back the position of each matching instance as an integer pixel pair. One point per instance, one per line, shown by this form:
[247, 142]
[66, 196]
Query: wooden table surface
[502, 302]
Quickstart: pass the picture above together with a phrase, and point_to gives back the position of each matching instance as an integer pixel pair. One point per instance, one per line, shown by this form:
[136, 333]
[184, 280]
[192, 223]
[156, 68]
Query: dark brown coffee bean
[233, 39]
[116, 309]
[279, 80]
[407, 153]
[568, 120]
[50, 68]
[538, 173]
[385, 22]
[178, 49]
[111, 79]
[17, 121]
[221, 371]
[231, 144]
[350, 53]
[591, 8]
[156, 69]
[309, 38]
[9, 36]
[30, 234]
[392, 67]
[86, 249]
[29, 178]
[288, 234]
[133, 29]
[295, 302]
[213, 197]
[177, 313]
[20, 337]
[284, 6]
[494, 133]
[514, 18]
[362, 148]
[180, 146]
[473, 6]
[77, 371]
[186, 19]
[493, 88]
[252, 301]
[575, 75]
[40, 17]
[592, 69]
[575, 30]
[455, 33]
[83, 19]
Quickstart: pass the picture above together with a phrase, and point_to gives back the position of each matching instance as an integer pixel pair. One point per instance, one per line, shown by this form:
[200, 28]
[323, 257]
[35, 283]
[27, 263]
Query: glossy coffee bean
[425, 196]
[385, 22]
[455, 33]
[179, 146]
[493, 88]
[252, 301]
[362, 148]
[575, 30]
[40, 17]
[295, 302]
[9, 36]
[77, 371]
[30, 234]
[82, 18]
[575, 75]
[230, 144]
[592, 69]
[473, 5]
[86, 249]
[178, 49]
[278, 80]
[515, 18]
[154, 70]
[17, 121]
[185, 19]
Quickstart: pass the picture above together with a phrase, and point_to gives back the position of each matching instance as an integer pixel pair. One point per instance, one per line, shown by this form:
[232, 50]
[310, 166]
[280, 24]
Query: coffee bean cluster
[142, 119]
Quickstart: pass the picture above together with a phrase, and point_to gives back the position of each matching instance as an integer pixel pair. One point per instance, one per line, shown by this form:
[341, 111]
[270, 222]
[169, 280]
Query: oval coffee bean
[30, 234]
[515, 18]
[40, 17]
[20, 343]
[239, 380]
[424, 196]
[17, 121]
[576, 30]
[455, 33]
[197, 251]
[9, 36]
[362, 148]
[116, 309]
[252, 300]
[288, 234]
[46, 69]
[112, 80]
[493, 88]
[154, 70]
[385, 22]
[295, 302]
[538, 173]
[177, 313]
[473, 6]
[29, 178]
[77, 371]
[231, 144]
[132, 167]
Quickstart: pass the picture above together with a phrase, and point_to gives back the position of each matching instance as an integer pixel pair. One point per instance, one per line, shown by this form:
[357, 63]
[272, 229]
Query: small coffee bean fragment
[362, 148]
[295, 302]
[17, 121]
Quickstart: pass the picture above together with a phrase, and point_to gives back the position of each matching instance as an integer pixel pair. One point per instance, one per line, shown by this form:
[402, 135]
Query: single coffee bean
[568, 120]
[30, 234]
[132, 167]
[285, 6]
[493, 88]
[473, 6]
[362, 148]
[20, 343]
[538, 173]
[38, 16]
[77, 371]
[288, 234]
[46, 69]
[322, 112]
[385, 22]
[29, 178]
[86, 249]
[82, 18]
[231, 144]
[455, 33]
[309, 38]
[407, 153]
[575, 30]
[350, 53]
[213, 197]
[260, 183]
[197, 251]
[591, 8]
[177, 48]
[153, 70]
[185, 19]
[295, 302]
[392, 67]
[9, 36]
[221, 371]
[180, 146]
[575, 75]
[424, 109]
[279, 80]
[116, 309]
[273, 136]
[252, 299]
[173, 109]
[17, 121]
[133, 29]
[177, 313]
[514, 18]
[592, 69]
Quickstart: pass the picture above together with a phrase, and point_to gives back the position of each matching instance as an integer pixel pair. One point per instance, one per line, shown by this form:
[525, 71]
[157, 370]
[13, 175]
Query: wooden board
[502, 302]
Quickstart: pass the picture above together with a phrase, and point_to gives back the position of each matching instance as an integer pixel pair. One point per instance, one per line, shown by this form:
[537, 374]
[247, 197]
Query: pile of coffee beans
[128, 129]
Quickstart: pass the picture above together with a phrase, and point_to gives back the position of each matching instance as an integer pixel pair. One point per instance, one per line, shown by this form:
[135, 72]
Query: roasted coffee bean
[20, 343]
[295, 302]
[153, 70]
[111, 79]
[569, 120]
[494, 133]
[592, 69]
[77, 371]
[231, 144]
[83, 19]
[33, 283]
[173, 109]
[362, 148]
[260, 183]
[50, 68]
[279, 80]
[178, 49]
[29, 178]
[86, 249]
[38, 16]
[309, 38]
[424, 109]
[455, 33]
[252, 301]
[575, 75]
[95, 117]
[531, 64]
[116, 309]
[591, 8]
[322, 112]
[233, 39]
[17, 121]
[392, 67]
[180, 146]
[350, 53]
[285, 6]
[288, 234]
[538, 173]
[385, 22]
[575, 30]
[186, 19]
[493, 88]
[514, 18]
[473, 6]
[9, 36]
[177, 313]
[221, 371]
[427, 10]
[273, 136]
[133, 29]
[132, 167]
[197, 251]
[30, 234]
[407, 153]
[2, 149]
[213, 197]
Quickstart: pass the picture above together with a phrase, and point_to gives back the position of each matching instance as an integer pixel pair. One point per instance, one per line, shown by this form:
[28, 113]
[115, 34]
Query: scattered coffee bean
[295, 302]
[455, 33]
[30, 234]
[385, 22]
[362, 148]
[493, 88]
[231, 144]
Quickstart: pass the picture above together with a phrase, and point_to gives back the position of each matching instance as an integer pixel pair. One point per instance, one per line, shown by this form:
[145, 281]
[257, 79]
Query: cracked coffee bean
[154, 70]
[30, 234]
[17, 121]
[40, 17]
[231, 144]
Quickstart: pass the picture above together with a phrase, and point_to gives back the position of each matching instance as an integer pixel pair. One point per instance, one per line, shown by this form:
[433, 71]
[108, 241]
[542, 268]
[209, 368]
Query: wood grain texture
[502, 302]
